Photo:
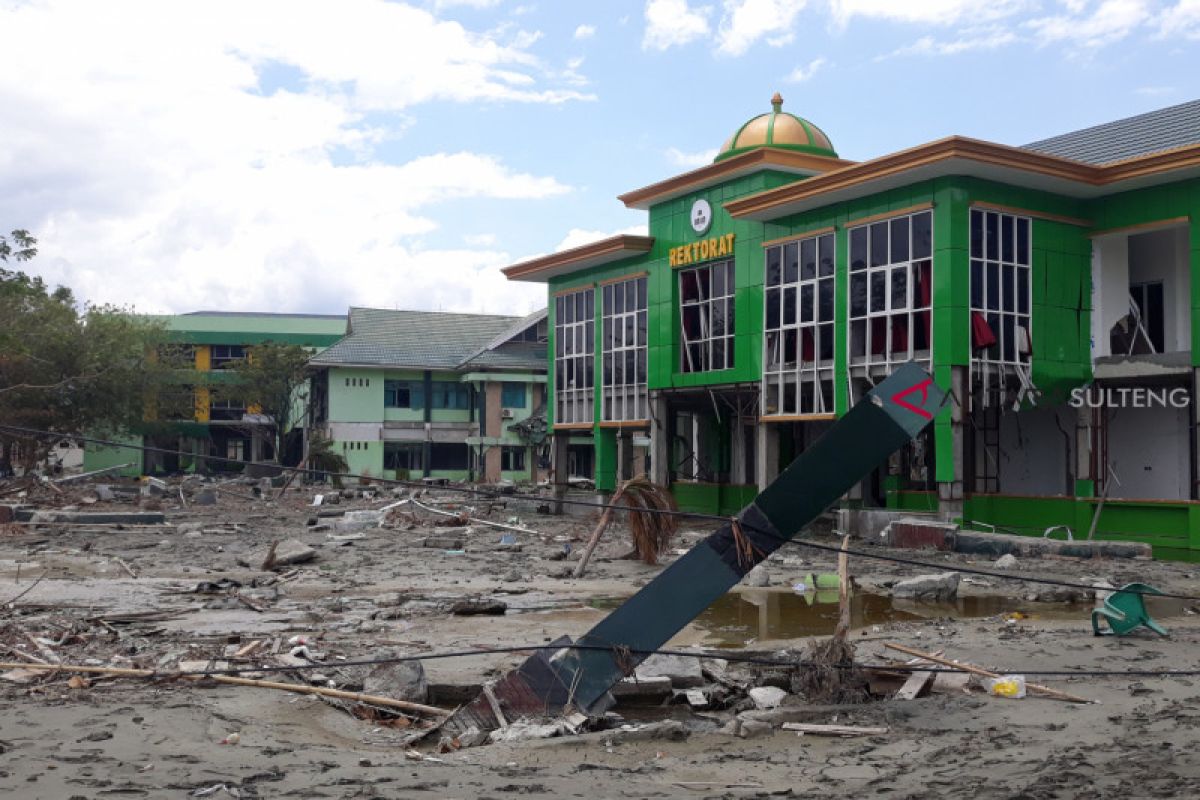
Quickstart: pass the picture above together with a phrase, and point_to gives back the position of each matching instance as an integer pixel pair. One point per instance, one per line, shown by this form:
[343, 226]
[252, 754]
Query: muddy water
[747, 615]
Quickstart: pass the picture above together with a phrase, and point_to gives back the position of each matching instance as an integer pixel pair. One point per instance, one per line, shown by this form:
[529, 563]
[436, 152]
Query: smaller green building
[1052, 289]
[419, 394]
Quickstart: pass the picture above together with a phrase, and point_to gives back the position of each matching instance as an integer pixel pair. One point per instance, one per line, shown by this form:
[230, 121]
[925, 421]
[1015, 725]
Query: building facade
[415, 394]
[195, 418]
[1050, 288]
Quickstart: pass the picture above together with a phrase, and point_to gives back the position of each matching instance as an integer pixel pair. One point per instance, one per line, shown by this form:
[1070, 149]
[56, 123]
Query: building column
[737, 451]
[491, 410]
[1085, 475]
[560, 468]
[256, 444]
[767, 453]
[660, 440]
[950, 493]
[1195, 434]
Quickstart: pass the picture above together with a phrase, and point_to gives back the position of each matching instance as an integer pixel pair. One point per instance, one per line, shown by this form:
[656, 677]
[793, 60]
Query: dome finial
[777, 103]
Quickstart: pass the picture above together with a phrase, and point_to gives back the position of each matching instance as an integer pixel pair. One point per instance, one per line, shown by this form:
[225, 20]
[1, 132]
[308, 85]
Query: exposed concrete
[929, 587]
[998, 544]
[683, 671]
[92, 517]
[869, 523]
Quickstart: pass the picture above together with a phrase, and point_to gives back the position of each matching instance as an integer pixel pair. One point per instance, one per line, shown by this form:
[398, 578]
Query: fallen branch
[474, 520]
[356, 697]
[92, 474]
[28, 590]
[1035, 688]
[601, 526]
[832, 730]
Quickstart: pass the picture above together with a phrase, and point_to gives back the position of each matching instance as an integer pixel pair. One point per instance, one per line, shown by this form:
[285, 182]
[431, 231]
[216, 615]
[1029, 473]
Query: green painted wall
[713, 498]
[354, 402]
[99, 456]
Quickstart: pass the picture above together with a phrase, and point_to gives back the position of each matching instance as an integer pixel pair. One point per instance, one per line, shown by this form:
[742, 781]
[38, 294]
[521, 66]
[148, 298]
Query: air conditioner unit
[506, 413]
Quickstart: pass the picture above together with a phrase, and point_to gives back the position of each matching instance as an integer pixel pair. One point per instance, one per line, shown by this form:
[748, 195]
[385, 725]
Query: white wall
[1163, 256]
[1033, 452]
[1148, 450]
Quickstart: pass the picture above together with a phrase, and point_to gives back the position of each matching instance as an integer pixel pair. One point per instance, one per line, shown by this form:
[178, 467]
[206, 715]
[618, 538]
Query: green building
[418, 394]
[207, 343]
[780, 282]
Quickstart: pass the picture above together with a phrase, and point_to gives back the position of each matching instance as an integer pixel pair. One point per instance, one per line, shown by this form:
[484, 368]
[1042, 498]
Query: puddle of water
[759, 614]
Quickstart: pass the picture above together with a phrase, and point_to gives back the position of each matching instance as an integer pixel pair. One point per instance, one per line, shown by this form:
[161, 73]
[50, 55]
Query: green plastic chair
[1125, 609]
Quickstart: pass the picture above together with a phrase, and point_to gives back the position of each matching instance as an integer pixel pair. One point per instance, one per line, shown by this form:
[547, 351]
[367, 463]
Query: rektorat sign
[703, 250]
[1130, 397]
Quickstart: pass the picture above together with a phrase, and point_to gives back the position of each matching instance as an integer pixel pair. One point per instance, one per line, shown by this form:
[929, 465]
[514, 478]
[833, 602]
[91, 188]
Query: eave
[746, 163]
[605, 251]
[959, 155]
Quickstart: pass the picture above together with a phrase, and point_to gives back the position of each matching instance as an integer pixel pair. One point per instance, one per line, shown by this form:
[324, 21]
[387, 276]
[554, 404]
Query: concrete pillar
[767, 453]
[256, 443]
[737, 451]
[950, 493]
[560, 467]
[660, 439]
[491, 409]
[1084, 470]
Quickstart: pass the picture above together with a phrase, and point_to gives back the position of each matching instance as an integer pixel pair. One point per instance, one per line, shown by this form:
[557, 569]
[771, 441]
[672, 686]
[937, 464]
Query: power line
[493, 495]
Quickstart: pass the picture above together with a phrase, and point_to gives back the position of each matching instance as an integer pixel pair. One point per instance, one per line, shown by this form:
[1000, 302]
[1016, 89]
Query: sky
[299, 156]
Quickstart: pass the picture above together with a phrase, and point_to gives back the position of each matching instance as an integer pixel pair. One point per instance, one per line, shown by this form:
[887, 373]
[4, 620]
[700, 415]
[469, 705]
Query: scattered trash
[232, 738]
[1012, 686]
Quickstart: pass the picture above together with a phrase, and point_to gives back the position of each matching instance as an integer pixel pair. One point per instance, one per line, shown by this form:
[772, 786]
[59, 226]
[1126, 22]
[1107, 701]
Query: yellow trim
[203, 358]
[573, 426]
[623, 278]
[1026, 212]
[799, 418]
[564, 292]
[1144, 226]
[900, 212]
[203, 401]
[625, 423]
[795, 237]
[614, 248]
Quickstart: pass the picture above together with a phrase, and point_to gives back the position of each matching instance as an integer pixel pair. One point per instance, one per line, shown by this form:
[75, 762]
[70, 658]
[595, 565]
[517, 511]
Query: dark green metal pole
[890, 415]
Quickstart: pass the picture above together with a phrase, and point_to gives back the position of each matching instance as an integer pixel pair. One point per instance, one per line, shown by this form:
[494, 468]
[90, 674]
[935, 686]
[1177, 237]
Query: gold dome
[778, 129]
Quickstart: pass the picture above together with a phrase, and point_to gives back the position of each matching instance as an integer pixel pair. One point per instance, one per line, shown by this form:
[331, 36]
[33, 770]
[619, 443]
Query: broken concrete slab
[633, 688]
[765, 697]
[748, 728]
[757, 577]
[359, 520]
[999, 544]
[94, 517]
[402, 680]
[205, 497]
[915, 533]
[523, 730]
[929, 587]
[684, 672]
[1006, 561]
[443, 542]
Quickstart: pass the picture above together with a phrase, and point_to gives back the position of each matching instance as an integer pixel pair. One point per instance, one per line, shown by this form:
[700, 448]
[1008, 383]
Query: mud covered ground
[193, 590]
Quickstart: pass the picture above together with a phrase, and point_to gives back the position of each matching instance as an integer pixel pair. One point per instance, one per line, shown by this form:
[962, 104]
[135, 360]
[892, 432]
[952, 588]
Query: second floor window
[706, 317]
[224, 355]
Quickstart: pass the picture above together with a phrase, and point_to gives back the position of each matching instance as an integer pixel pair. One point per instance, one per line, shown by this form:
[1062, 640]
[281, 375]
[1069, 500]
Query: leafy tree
[64, 368]
[273, 381]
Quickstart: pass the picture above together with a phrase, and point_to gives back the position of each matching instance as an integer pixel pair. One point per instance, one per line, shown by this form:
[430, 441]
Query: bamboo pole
[843, 625]
[1045, 691]
[605, 518]
[356, 697]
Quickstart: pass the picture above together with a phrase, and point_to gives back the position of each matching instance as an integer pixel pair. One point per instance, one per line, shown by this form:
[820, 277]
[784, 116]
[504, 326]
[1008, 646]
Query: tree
[273, 382]
[64, 368]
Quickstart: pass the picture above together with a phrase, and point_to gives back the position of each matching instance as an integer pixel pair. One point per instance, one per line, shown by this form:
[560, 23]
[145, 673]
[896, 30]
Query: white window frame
[707, 306]
[796, 275]
[574, 357]
[624, 320]
[1001, 259]
[894, 248]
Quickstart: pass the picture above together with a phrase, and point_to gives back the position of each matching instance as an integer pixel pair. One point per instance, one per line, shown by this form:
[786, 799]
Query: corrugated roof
[416, 339]
[1153, 132]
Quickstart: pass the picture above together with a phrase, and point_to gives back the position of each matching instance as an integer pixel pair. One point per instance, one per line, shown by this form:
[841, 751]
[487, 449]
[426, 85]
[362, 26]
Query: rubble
[929, 587]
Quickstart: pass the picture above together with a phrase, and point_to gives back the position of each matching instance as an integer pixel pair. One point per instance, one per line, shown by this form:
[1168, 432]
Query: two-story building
[421, 394]
[780, 282]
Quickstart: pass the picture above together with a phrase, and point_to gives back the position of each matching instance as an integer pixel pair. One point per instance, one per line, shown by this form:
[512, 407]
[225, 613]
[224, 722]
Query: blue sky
[301, 156]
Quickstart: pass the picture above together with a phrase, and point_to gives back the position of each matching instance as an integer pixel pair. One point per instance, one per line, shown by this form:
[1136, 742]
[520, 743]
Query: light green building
[419, 394]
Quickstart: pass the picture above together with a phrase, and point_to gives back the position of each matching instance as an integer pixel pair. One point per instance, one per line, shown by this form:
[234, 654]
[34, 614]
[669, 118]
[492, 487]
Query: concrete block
[929, 587]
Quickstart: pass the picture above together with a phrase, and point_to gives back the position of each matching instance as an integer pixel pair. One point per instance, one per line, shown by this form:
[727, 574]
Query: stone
[98, 517]
[1006, 561]
[443, 542]
[757, 577]
[633, 688]
[751, 728]
[767, 696]
[289, 551]
[205, 497]
[104, 493]
[400, 680]
[684, 672]
[513, 576]
[929, 587]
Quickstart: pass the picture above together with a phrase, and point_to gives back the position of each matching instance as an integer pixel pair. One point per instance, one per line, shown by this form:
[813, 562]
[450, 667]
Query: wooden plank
[914, 686]
[1033, 688]
[832, 730]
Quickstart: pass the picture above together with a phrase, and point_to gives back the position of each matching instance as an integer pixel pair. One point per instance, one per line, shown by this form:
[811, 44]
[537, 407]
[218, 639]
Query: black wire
[733, 657]
[492, 495]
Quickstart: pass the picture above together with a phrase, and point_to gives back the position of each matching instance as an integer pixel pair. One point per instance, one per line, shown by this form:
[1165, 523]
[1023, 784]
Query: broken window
[798, 335]
[1001, 299]
[403, 394]
[891, 292]
[450, 395]
[448, 456]
[574, 357]
[403, 455]
[512, 459]
[1147, 300]
[706, 317]
[623, 377]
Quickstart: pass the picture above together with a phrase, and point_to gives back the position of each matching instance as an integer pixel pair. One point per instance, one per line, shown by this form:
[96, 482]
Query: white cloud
[1155, 91]
[679, 158]
[577, 237]
[480, 239]
[673, 22]
[585, 31]
[746, 21]
[936, 12]
[929, 46]
[1108, 22]
[1181, 19]
[802, 73]
[156, 169]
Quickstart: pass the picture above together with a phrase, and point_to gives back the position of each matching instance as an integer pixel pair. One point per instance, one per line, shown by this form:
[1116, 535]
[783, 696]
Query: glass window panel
[991, 229]
[858, 295]
[718, 350]
[825, 301]
[718, 282]
[878, 293]
[993, 285]
[899, 342]
[774, 349]
[825, 255]
[806, 301]
[899, 287]
[1007, 289]
[1023, 290]
[717, 320]
[922, 235]
[826, 350]
[858, 249]
[772, 308]
[789, 305]
[790, 254]
[976, 282]
[1007, 239]
[789, 347]
[858, 339]
[641, 322]
[618, 305]
[808, 259]
[1022, 240]
[774, 270]
[879, 240]
[899, 230]
[976, 234]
